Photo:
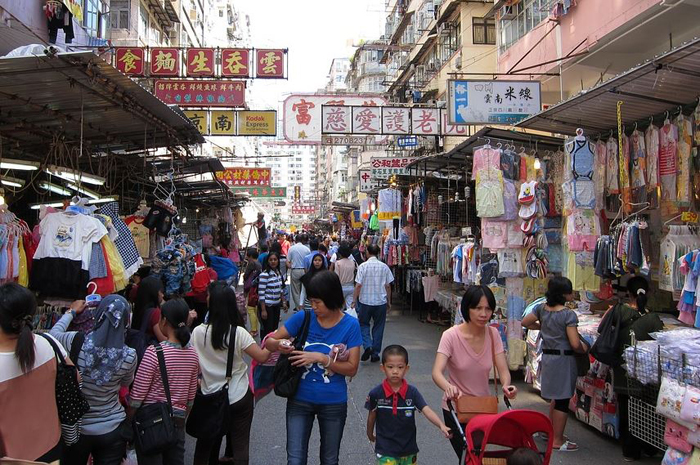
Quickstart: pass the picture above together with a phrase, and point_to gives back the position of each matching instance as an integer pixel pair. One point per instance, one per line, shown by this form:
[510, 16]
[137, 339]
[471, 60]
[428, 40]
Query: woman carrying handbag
[164, 390]
[224, 374]
[470, 351]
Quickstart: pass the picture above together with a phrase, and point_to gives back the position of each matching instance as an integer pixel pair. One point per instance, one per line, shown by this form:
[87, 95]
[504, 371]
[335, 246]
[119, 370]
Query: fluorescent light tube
[55, 188]
[12, 182]
[37, 206]
[84, 190]
[11, 164]
[74, 176]
[111, 198]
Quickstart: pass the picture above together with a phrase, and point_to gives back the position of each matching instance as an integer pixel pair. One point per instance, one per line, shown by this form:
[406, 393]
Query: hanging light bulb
[538, 165]
[184, 220]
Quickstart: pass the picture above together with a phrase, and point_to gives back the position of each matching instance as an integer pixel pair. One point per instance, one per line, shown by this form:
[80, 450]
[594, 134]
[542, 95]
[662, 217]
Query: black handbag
[154, 428]
[209, 417]
[70, 401]
[287, 376]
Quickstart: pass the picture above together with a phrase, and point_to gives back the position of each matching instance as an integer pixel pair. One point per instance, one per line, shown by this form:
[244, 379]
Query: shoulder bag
[70, 401]
[286, 376]
[470, 406]
[209, 417]
[154, 428]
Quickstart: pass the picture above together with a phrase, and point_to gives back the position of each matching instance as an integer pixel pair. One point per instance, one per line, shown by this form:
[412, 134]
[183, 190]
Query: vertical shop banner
[301, 117]
[367, 182]
[235, 62]
[500, 102]
[256, 123]
[336, 119]
[297, 193]
[165, 62]
[199, 119]
[201, 93]
[245, 176]
[396, 120]
[384, 167]
[223, 123]
[449, 129]
[130, 61]
[366, 120]
[269, 63]
[425, 121]
[200, 62]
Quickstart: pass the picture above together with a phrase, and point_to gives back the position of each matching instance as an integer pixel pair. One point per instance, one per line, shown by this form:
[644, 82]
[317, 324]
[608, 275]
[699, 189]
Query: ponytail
[17, 309]
[637, 288]
[175, 313]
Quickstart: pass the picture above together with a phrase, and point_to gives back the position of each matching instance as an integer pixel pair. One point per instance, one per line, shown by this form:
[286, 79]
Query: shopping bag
[260, 376]
[130, 458]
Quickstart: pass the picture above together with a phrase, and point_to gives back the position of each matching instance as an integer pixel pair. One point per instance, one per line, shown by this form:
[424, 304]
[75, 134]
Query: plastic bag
[130, 458]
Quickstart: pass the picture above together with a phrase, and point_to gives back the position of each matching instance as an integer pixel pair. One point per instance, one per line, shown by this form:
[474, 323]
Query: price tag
[689, 217]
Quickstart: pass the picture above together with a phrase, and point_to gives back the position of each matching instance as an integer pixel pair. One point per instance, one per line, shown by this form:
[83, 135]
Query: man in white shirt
[295, 262]
[372, 296]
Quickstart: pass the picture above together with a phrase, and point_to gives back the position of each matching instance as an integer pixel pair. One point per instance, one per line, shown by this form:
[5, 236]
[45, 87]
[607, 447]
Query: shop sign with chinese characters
[261, 192]
[365, 120]
[383, 167]
[232, 123]
[257, 123]
[201, 62]
[193, 93]
[298, 209]
[367, 182]
[492, 102]
[302, 116]
[245, 176]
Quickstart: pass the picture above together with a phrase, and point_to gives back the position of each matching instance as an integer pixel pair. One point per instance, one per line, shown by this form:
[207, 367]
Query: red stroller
[509, 430]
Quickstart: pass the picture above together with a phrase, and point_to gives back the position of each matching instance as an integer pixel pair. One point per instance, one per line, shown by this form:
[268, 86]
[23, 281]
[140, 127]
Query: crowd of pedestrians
[340, 312]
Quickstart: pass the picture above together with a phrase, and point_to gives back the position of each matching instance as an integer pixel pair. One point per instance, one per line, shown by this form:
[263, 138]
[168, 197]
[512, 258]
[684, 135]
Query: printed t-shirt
[141, 235]
[668, 163]
[612, 170]
[469, 371]
[396, 419]
[494, 234]
[318, 385]
[651, 141]
[485, 157]
[212, 362]
[489, 193]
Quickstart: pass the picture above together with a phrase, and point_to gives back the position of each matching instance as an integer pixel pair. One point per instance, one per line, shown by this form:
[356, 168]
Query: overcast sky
[315, 32]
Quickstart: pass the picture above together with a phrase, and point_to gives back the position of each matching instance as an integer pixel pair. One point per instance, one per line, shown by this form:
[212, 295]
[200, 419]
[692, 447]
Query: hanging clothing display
[140, 234]
[582, 154]
[638, 166]
[175, 265]
[489, 193]
[651, 142]
[612, 169]
[685, 145]
[668, 164]
[485, 157]
[389, 204]
[124, 241]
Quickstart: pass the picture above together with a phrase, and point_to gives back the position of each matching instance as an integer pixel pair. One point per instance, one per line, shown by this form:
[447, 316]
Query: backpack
[251, 287]
[605, 348]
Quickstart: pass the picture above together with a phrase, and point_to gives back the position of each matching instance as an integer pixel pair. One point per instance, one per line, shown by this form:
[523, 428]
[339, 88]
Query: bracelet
[329, 362]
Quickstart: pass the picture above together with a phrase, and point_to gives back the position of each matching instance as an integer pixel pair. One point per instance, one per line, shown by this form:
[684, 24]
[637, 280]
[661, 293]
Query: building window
[119, 14]
[143, 23]
[484, 31]
[91, 16]
[522, 18]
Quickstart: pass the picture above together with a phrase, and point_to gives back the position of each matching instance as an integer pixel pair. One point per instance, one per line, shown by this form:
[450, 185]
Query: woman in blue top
[322, 391]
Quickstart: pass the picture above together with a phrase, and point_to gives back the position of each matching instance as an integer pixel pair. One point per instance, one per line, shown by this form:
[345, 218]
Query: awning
[43, 96]
[664, 83]
[341, 207]
[460, 157]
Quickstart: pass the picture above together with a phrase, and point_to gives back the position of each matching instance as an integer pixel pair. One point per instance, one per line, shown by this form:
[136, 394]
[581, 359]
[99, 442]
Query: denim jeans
[106, 449]
[300, 421]
[376, 314]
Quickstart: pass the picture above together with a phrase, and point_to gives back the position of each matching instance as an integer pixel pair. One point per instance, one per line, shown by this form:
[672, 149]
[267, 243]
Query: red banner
[191, 93]
[165, 62]
[200, 62]
[130, 61]
[303, 209]
[245, 176]
[269, 63]
[235, 62]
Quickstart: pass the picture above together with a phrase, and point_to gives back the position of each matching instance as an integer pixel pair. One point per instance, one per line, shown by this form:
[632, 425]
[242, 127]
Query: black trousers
[241, 415]
[106, 449]
[269, 324]
[632, 446]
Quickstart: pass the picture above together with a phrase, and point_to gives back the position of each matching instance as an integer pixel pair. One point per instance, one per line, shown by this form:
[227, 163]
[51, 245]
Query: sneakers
[366, 355]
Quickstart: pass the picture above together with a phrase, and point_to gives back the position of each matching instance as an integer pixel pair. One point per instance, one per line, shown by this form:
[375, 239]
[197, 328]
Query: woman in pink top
[465, 350]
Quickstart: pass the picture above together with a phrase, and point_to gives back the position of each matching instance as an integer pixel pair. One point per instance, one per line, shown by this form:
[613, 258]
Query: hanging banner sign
[257, 123]
[396, 120]
[269, 64]
[235, 62]
[200, 62]
[407, 141]
[245, 176]
[425, 121]
[192, 93]
[302, 119]
[336, 119]
[200, 119]
[165, 62]
[500, 102]
[261, 192]
[297, 193]
[222, 123]
[365, 120]
[367, 182]
[303, 209]
[130, 60]
[384, 167]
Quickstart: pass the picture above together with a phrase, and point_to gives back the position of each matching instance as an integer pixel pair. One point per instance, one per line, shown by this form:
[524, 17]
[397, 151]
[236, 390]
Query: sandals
[568, 446]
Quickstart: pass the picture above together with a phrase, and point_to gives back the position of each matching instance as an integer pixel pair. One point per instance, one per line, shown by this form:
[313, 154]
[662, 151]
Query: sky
[315, 32]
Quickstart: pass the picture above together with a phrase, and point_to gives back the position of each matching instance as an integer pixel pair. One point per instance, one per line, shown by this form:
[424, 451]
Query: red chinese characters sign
[200, 62]
[245, 176]
[191, 93]
[269, 63]
[130, 61]
[235, 62]
[303, 209]
[383, 168]
[165, 62]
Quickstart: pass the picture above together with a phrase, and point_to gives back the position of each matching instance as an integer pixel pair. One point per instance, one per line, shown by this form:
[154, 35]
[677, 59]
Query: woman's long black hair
[146, 298]
[175, 312]
[306, 279]
[557, 290]
[17, 309]
[637, 288]
[223, 313]
[267, 263]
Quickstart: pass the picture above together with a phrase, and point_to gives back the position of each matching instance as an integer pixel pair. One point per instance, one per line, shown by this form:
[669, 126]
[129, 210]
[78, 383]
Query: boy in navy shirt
[392, 406]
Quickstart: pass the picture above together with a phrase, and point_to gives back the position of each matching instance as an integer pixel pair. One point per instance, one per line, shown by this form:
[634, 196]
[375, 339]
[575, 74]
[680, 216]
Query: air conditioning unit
[507, 12]
[457, 63]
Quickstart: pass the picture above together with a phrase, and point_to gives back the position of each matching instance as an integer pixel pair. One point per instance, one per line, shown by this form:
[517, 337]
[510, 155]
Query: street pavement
[268, 437]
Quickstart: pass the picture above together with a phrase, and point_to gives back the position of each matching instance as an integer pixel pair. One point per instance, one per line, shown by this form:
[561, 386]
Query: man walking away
[295, 261]
[372, 295]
